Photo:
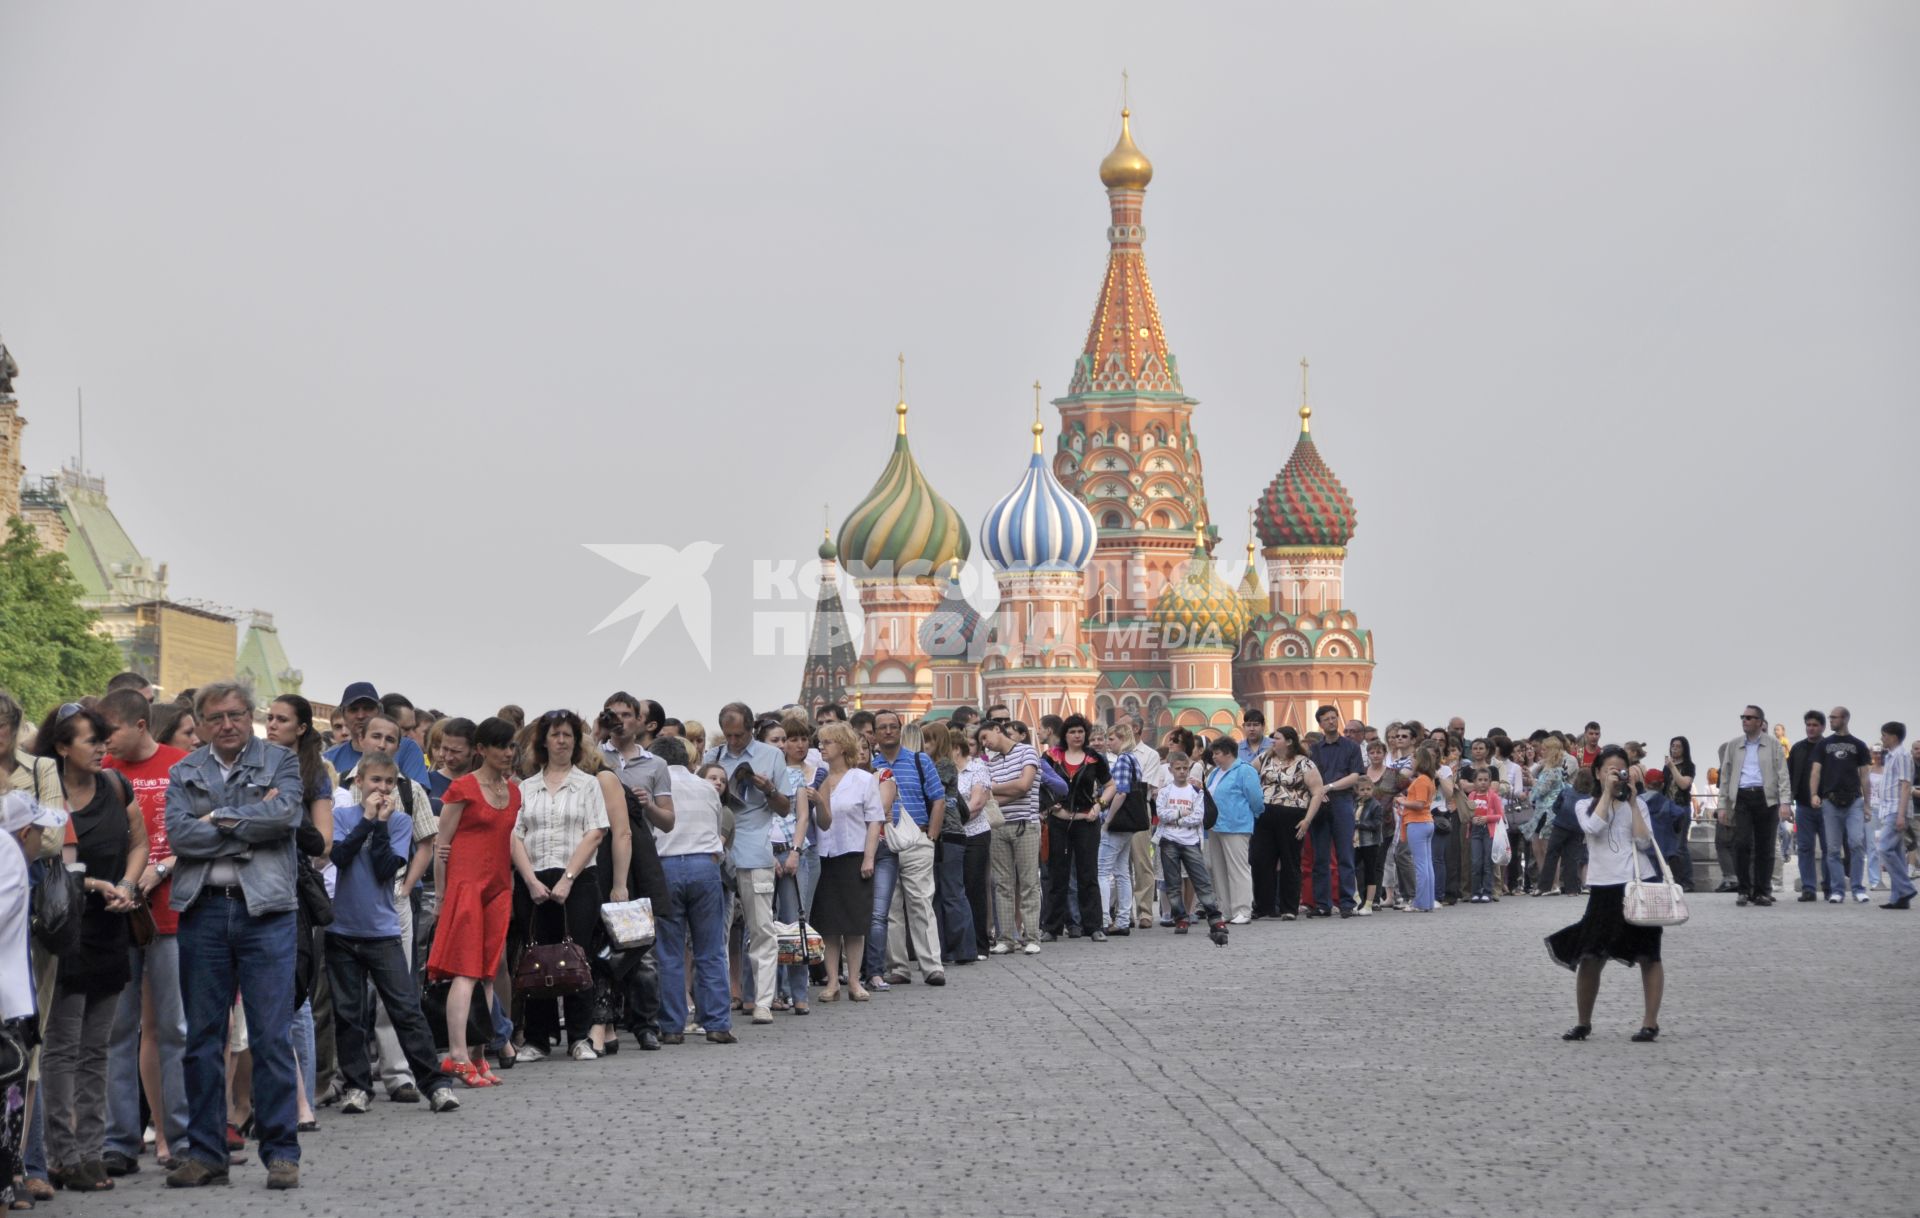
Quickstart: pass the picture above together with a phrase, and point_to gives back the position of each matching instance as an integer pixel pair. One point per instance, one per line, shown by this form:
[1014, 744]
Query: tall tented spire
[1126, 347]
[831, 653]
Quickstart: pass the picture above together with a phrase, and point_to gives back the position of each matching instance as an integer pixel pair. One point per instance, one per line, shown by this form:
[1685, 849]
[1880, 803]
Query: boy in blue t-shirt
[371, 842]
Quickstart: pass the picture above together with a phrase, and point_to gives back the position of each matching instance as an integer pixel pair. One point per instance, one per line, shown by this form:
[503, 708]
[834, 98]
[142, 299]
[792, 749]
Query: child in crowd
[1488, 815]
[371, 843]
[1370, 844]
[1182, 810]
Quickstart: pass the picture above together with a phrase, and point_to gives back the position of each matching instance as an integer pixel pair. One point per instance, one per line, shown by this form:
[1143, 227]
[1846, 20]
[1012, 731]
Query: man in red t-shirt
[155, 1061]
[1589, 746]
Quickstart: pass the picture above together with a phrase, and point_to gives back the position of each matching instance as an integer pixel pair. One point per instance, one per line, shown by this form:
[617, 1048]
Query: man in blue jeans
[1838, 786]
[1342, 764]
[696, 906]
[232, 808]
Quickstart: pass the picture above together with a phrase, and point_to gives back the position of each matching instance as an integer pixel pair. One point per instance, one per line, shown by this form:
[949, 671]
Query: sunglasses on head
[552, 715]
[67, 711]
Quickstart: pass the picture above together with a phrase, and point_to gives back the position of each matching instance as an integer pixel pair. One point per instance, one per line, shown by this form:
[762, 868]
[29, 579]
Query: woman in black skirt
[1618, 832]
[850, 814]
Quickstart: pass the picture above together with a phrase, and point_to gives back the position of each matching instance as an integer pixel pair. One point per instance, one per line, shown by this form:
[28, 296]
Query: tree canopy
[49, 650]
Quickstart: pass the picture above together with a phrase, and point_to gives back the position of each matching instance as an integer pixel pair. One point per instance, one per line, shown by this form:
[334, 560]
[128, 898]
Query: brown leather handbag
[550, 971]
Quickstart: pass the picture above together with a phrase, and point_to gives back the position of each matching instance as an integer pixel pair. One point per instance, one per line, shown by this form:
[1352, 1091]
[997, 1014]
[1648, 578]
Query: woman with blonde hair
[849, 813]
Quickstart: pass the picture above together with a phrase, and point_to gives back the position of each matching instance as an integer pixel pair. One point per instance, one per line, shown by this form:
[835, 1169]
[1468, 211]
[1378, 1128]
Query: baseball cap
[359, 691]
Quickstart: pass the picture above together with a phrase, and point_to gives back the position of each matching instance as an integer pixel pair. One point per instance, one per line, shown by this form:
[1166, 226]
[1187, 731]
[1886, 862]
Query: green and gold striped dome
[1199, 610]
[903, 529]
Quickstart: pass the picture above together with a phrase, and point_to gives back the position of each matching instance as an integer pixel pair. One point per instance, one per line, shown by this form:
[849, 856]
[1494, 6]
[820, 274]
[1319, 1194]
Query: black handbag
[311, 890]
[58, 897]
[433, 1004]
[1131, 815]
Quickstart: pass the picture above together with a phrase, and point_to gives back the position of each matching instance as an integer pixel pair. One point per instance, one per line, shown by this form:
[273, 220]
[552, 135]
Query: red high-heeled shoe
[486, 1071]
[468, 1074]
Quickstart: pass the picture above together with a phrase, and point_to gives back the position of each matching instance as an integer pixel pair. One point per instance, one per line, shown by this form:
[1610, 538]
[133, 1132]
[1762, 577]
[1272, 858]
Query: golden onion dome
[1199, 611]
[1126, 167]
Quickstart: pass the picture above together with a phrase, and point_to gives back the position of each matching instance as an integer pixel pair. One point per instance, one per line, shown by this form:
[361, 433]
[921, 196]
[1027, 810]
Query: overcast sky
[384, 311]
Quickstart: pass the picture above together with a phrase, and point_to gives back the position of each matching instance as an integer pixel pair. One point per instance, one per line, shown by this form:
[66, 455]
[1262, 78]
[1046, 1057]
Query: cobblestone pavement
[1396, 1065]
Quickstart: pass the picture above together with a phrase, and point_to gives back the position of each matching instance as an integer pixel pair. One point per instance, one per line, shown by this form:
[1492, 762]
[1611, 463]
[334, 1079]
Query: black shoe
[610, 1048]
[1806, 896]
[1073, 932]
[1345, 912]
[192, 1173]
[1577, 1032]
[1763, 899]
[1647, 1034]
[118, 1164]
[1902, 903]
[1098, 936]
[1741, 899]
[649, 1039]
[673, 1038]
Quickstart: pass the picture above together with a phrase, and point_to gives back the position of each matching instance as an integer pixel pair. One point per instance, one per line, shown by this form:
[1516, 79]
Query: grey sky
[383, 311]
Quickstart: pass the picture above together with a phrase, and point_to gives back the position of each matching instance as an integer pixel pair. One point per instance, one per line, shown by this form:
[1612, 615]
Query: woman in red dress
[473, 873]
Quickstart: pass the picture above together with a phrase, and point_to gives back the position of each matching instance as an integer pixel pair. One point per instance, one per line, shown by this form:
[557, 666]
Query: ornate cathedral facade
[1110, 600]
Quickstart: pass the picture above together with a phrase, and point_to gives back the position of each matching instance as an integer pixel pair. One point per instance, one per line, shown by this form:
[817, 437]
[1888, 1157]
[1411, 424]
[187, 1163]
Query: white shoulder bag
[1651, 902]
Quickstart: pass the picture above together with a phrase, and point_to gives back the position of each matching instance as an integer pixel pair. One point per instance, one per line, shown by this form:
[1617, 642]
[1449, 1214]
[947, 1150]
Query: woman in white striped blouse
[563, 816]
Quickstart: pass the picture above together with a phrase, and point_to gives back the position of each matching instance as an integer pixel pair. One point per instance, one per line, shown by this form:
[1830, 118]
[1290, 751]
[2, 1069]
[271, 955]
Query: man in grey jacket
[232, 808]
[1756, 791]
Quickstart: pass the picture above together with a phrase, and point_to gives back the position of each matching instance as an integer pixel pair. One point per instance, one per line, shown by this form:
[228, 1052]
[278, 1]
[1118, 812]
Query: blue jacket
[1563, 817]
[262, 798]
[1236, 792]
[1670, 821]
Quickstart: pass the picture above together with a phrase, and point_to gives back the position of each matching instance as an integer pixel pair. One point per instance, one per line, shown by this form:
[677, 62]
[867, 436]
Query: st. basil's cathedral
[1111, 602]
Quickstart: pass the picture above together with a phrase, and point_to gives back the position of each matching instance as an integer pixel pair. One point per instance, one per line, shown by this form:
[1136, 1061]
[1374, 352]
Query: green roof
[262, 663]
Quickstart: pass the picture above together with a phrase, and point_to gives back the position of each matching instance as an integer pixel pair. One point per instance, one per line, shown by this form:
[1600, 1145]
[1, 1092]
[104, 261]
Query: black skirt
[842, 901]
[1604, 933]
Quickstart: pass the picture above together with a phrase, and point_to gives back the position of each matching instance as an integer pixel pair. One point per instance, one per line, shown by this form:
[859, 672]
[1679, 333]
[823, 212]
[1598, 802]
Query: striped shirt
[552, 826]
[908, 768]
[1005, 768]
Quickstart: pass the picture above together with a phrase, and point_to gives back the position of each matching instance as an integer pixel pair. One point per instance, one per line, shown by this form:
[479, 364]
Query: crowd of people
[223, 919]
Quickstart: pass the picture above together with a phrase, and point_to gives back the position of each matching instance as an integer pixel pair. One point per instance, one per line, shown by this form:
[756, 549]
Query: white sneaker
[583, 1051]
[762, 1015]
[695, 1029]
[1239, 920]
[1836, 899]
[355, 1102]
[443, 1100]
[1031, 949]
[527, 1053]
[1365, 911]
[1862, 897]
[1001, 948]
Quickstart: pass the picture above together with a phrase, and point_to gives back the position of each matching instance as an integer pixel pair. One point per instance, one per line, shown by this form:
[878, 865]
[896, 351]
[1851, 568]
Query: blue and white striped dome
[1040, 526]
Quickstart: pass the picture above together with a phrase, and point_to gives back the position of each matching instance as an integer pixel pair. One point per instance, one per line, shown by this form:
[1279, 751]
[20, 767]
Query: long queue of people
[213, 933]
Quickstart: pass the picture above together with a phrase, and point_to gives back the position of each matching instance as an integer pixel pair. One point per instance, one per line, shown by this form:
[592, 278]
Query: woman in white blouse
[563, 816]
[1619, 837]
[849, 814]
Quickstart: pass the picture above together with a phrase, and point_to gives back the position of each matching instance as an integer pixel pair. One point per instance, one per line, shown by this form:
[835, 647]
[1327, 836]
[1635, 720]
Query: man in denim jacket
[232, 808]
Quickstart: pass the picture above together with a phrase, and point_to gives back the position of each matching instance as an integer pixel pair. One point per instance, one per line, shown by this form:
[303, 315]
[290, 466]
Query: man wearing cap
[360, 703]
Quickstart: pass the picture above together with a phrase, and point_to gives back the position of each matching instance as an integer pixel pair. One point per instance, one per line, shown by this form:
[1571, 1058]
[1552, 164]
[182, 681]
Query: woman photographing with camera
[1618, 832]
